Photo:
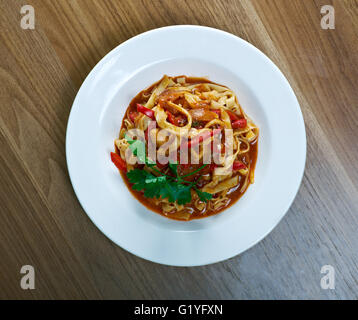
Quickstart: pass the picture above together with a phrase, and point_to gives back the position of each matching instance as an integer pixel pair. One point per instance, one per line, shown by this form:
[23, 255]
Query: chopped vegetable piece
[202, 114]
[238, 165]
[171, 118]
[133, 115]
[233, 116]
[176, 120]
[203, 196]
[165, 186]
[148, 112]
[118, 162]
[241, 123]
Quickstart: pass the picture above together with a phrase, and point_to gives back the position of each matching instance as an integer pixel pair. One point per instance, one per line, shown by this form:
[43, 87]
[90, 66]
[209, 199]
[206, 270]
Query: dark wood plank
[42, 221]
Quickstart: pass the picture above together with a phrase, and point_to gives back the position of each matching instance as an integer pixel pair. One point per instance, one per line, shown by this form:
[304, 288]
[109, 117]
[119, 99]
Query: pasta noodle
[206, 120]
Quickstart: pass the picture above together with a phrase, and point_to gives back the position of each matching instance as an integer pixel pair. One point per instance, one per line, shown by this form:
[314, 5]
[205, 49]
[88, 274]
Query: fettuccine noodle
[190, 111]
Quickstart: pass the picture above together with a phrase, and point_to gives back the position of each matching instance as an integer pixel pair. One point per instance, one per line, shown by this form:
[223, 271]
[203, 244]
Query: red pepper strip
[118, 162]
[233, 116]
[238, 165]
[133, 115]
[177, 121]
[148, 112]
[171, 118]
[241, 123]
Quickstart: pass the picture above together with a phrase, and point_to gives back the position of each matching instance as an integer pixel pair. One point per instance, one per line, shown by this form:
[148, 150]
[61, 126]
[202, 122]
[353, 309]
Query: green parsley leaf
[183, 194]
[203, 196]
[165, 186]
[174, 167]
[149, 183]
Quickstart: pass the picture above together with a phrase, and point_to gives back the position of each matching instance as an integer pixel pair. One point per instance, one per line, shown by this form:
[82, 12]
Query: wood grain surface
[41, 220]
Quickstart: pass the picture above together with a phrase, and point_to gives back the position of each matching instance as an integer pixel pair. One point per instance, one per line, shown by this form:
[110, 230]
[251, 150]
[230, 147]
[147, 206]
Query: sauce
[234, 194]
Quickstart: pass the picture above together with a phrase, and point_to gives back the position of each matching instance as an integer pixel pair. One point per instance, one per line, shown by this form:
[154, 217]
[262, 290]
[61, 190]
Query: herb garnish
[165, 186]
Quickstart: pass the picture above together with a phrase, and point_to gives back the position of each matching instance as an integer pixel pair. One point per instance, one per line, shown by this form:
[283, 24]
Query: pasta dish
[186, 149]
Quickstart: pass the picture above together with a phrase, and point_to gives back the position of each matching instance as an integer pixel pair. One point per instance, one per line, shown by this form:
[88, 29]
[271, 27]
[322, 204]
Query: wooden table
[41, 221]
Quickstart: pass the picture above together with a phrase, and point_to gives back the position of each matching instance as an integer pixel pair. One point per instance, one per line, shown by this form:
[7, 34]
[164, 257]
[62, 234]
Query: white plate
[95, 120]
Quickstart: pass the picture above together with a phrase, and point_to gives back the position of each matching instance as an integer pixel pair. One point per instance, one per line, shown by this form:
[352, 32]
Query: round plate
[96, 117]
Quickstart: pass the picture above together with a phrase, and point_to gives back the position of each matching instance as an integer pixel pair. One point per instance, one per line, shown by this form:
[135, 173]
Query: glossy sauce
[234, 194]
